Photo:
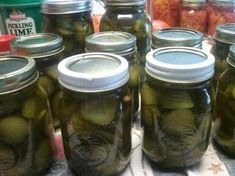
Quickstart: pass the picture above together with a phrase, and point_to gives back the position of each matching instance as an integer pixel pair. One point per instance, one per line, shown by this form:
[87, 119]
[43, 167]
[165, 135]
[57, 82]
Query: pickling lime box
[21, 17]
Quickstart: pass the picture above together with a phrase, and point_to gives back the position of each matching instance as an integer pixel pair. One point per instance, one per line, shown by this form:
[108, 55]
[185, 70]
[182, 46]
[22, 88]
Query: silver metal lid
[125, 2]
[225, 33]
[177, 37]
[121, 43]
[223, 3]
[231, 55]
[16, 72]
[193, 3]
[37, 45]
[93, 72]
[65, 6]
[180, 65]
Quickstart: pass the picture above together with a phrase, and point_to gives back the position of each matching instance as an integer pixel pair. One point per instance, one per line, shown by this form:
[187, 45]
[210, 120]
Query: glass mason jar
[69, 18]
[193, 15]
[47, 50]
[224, 123]
[26, 133]
[130, 17]
[223, 11]
[176, 37]
[95, 113]
[123, 44]
[224, 38]
[166, 10]
[176, 106]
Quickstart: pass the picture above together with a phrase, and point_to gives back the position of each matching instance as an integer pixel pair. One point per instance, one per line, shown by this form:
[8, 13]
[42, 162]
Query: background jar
[176, 37]
[26, 132]
[177, 105]
[224, 123]
[123, 44]
[193, 15]
[129, 17]
[223, 11]
[69, 18]
[95, 113]
[224, 38]
[47, 50]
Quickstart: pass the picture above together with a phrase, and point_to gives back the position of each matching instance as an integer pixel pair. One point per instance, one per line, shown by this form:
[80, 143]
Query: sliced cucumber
[148, 95]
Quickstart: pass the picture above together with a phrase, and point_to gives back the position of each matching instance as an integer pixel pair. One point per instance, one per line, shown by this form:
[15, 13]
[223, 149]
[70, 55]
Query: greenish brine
[176, 105]
[224, 123]
[131, 17]
[26, 131]
[95, 113]
[123, 44]
[176, 37]
[47, 50]
[71, 19]
[224, 38]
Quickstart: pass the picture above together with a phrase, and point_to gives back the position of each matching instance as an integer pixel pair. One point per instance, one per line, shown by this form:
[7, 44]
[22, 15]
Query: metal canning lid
[125, 2]
[93, 72]
[223, 3]
[121, 43]
[16, 72]
[37, 45]
[231, 55]
[57, 7]
[177, 37]
[180, 65]
[193, 3]
[225, 33]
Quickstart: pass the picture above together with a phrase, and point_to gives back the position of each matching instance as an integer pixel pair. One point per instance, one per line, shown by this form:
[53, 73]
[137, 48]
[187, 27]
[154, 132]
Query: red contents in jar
[166, 10]
[219, 16]
[193, 19]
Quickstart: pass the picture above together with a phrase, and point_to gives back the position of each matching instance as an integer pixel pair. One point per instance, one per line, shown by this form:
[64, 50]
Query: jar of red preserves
[223, 11]
[166, 10]
[193, 15]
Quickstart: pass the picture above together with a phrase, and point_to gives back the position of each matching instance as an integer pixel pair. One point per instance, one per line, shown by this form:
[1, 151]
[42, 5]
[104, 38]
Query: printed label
[8, 156]
[19, 24]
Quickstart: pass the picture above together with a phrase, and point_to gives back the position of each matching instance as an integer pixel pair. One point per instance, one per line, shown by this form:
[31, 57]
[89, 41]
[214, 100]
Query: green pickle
[96, 121]
[21, 131]
[224, 122]
[176, 106]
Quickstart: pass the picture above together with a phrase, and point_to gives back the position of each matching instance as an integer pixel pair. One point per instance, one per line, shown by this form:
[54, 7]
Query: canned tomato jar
[224, 123]
[224, 38]
[47, 50]
[95, 113]
[131, 17]
[70, 19]
[176, 37]
[26, 132]
[177, 105]
[123, 44]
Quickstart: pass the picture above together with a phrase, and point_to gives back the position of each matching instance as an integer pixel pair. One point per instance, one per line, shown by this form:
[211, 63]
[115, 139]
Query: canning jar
[95, 113]
[69, 18]
[166, 10]
[193, 15]
[47, 50]
[224, 123]
[123, 44]
[223, 11]
[177, 105]
[224, 38]
[131, 17]
[176, 37]
[26, 142]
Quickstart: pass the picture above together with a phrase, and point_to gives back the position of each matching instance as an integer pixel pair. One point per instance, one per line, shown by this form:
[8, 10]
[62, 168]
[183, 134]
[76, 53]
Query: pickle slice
[53, 72]
[176, 100]
[29, 108]
[13, 129]
[149, 113]
[98, 112]
[148, 95]
[46, 84]
[134, 76]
